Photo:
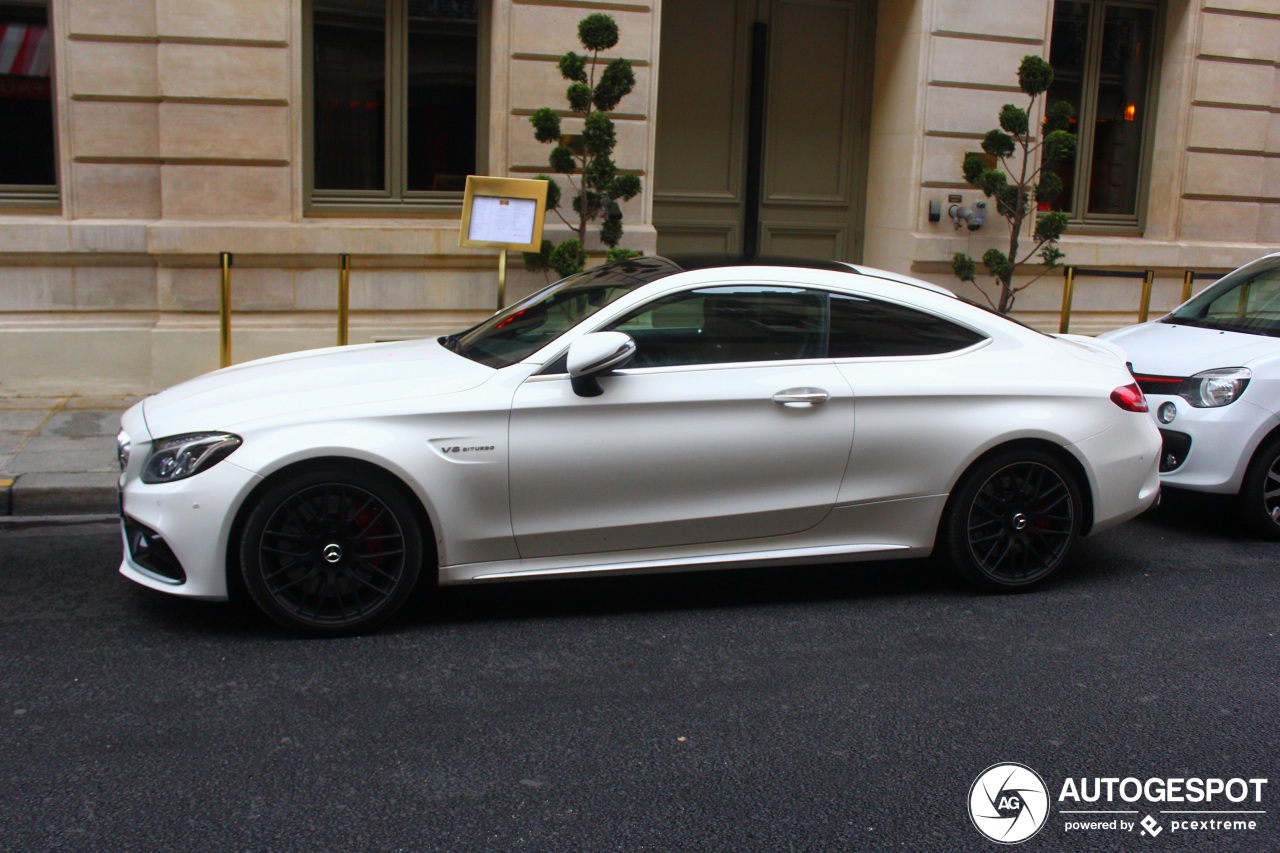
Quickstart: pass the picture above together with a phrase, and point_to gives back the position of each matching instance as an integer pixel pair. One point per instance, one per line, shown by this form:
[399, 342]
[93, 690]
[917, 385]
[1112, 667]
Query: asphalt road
[827, 708]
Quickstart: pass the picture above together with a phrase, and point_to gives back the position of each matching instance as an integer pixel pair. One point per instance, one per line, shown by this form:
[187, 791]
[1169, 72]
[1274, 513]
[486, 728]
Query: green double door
[762, 131]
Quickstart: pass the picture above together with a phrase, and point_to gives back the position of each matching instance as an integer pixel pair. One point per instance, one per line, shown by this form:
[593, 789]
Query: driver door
[730, 423]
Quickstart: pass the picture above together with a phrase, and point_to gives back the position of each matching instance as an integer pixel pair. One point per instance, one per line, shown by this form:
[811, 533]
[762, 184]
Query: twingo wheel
[1013, 520]
[1260, 493]
[331, 552]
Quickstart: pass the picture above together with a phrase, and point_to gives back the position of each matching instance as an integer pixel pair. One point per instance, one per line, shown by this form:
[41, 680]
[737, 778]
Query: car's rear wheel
[1260, 494]
[1013, 520]
[331, 552]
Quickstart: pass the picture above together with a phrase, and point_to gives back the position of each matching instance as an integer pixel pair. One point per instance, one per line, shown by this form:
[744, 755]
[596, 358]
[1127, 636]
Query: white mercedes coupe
[643, 416]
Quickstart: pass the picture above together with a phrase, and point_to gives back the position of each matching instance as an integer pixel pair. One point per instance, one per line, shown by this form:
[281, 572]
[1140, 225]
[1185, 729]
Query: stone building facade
[289, 132]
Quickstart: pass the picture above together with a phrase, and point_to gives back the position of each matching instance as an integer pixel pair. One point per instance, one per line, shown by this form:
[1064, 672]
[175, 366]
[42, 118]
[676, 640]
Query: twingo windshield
[1245, 301]
[515, 333]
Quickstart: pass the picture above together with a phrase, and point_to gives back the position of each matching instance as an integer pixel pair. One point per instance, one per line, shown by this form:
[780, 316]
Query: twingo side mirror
[594, 355]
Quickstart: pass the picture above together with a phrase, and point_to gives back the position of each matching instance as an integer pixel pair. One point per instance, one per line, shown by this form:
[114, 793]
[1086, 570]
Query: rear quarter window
[867, 328]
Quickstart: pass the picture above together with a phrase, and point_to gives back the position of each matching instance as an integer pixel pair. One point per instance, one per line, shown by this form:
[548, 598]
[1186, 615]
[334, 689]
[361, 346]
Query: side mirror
[594, 355]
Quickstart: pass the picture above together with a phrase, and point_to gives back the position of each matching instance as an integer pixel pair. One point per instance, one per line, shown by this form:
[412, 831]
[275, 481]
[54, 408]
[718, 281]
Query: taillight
[1130, 398]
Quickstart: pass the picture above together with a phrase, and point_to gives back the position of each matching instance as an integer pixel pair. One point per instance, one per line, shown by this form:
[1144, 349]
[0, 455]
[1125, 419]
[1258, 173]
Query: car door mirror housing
[594, 355]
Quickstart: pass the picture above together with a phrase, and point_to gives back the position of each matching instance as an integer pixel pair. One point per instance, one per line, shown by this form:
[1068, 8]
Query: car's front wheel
[1012, 520]
[331, 552]
[1260, 494]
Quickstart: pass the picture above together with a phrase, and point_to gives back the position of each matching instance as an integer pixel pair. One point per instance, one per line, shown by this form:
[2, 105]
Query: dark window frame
[1075, 200]
[395, 198]
[39, 198]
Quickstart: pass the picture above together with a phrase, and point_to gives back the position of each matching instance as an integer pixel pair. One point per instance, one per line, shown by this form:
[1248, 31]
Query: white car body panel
[1224, 439]
[672, 467]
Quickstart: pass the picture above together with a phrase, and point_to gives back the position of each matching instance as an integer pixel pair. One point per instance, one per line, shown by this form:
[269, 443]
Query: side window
[721, 325]
[29, 167]
[864, 328]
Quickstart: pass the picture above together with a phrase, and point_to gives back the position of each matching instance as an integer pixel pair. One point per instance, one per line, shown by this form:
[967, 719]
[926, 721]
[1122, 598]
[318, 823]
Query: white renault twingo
[1211, 372]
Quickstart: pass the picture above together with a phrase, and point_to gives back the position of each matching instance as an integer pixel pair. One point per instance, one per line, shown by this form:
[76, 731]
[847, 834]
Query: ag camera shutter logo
[1008, 803]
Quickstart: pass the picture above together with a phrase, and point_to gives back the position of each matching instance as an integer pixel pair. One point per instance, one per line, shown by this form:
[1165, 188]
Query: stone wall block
[1228, 222]
[37, 289]
[1236, 175]
[199, 289]
[116, 190]
[133, 18]
[422, 289]
[1240, 130]
[553, 30]
[1257, 6]
[226, 192]
[1271, 189]
[994, 63]
[104, 129]
[115, 288]
[1241, 38]
[1268, 224]
[967, 110]
[112, 69]
[1022, 19]
[99, 361]
[220, 131]
[1234, 83]
[943, 156]
[259, 20]
[224, 72]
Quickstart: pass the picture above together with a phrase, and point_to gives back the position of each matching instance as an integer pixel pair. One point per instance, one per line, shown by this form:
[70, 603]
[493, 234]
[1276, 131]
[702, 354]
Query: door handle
[801, 396]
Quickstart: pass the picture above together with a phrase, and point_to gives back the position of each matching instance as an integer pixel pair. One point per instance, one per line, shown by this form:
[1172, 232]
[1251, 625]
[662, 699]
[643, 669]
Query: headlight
[181, 456]
[123, 446]
[1215, 388]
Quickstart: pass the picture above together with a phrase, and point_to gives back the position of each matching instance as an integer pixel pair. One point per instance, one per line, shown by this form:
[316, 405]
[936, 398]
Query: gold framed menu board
[503, 213]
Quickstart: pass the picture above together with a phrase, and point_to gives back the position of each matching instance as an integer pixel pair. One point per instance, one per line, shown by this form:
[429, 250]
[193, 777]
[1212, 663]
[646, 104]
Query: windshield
[1246, 301]
[517, 332]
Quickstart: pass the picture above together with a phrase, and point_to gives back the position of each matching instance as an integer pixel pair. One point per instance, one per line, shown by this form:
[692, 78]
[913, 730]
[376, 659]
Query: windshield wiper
[450, 342]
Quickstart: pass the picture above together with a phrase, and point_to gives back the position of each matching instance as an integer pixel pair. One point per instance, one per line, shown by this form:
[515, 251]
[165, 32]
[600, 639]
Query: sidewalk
[58, 455]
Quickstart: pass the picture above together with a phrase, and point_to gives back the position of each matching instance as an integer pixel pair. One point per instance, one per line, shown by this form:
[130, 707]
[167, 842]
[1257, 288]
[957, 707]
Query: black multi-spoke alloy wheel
[1013, 520]
[1260, 494]
[331, 552]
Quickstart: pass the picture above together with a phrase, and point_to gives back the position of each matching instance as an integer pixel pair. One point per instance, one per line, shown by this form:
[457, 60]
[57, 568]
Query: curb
[28, 495]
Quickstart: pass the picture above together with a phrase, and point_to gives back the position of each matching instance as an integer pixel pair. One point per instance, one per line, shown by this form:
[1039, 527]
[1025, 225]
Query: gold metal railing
[1144, 303]
[225, 262]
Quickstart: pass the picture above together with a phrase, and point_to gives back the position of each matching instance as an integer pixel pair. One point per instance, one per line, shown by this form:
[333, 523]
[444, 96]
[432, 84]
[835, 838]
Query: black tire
[1260, 492]
[1013, 520]
[331, 552]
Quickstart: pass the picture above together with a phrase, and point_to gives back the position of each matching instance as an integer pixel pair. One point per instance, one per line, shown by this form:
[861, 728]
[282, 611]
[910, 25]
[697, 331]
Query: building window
[1103, 60]
[394, 86]
[28, 151]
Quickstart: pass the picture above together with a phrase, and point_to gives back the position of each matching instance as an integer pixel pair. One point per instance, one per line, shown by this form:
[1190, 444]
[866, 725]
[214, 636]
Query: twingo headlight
[181, 456]
[1214, 388]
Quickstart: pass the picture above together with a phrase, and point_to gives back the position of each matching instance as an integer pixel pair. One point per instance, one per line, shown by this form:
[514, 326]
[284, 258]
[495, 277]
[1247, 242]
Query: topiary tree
[598, 185]
[1017, 200]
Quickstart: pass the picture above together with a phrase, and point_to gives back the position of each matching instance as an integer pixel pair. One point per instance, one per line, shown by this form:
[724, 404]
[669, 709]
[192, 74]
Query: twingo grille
[1167, 386]
[149, 550]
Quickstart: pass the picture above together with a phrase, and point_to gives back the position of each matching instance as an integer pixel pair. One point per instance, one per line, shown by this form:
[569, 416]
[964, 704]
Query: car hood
[304, 382]
[1168, 349]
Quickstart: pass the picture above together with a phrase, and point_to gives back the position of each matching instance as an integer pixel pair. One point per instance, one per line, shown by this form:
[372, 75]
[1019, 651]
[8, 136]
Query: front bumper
[1210, 448]
[192, 520]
